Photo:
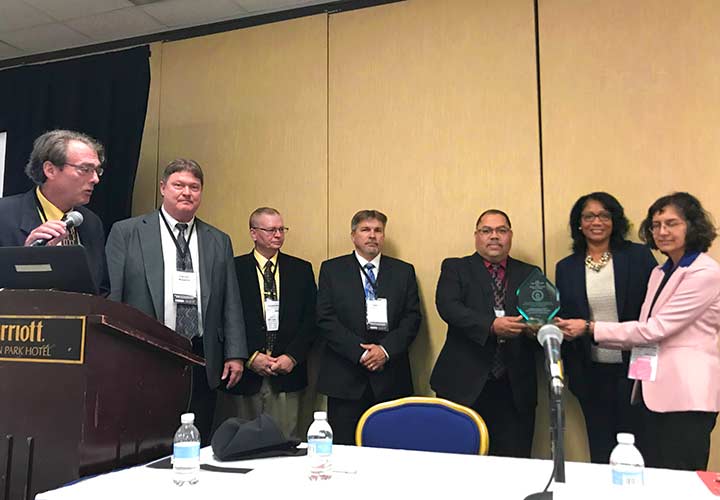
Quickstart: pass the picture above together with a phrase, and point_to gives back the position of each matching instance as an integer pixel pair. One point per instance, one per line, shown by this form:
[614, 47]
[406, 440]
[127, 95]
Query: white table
[373, 472]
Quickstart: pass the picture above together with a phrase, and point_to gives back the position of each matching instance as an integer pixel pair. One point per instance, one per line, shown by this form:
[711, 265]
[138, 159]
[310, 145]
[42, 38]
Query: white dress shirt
[170, 265]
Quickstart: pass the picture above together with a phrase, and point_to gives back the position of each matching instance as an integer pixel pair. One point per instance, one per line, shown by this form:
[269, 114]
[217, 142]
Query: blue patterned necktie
[186, 316]
[370, 281]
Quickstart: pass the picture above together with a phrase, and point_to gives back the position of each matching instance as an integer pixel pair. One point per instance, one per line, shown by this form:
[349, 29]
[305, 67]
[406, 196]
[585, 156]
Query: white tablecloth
[376, 473]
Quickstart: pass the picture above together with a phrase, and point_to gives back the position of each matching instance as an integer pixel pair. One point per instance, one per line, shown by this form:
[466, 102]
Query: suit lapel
[579, 283]
[356, 289]
[384, 278]
[151, 248]
[622, 274]
[677, 276]
[481, 275]
[30, 218]
[206, 254]
[514, 280]
[285, 281]
[653, 284]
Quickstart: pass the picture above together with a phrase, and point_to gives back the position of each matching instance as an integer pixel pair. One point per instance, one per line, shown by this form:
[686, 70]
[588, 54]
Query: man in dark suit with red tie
[368, 314]
[487, 361]
[278, 296]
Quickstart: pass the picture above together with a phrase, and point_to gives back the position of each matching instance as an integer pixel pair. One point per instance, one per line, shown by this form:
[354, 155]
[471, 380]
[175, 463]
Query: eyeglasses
[603, 216]
[669, 225]
[272, 230]
[487, 231]
[87, 169]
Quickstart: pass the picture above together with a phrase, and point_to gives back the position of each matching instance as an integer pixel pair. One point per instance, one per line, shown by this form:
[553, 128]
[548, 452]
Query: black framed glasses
[87, 168]
[602, 216]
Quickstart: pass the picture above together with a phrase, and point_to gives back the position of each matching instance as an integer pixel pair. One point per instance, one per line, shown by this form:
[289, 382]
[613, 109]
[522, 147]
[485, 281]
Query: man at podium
[65, 166]
[180, 270]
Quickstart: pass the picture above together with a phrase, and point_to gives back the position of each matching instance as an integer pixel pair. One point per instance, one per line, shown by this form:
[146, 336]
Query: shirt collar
[502, 263]
[51, 211]
[363, 261]
[685, 261]
[172, 221]
[261, 260]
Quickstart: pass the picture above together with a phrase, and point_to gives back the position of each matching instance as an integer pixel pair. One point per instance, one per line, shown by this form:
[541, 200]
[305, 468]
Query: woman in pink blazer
[680, 322]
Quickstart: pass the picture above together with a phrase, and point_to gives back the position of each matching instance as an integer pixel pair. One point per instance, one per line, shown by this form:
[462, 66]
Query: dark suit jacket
[341, 319]
[137, 277]
[297, 319]
[465, 301]
[632, 265]
[19, 216]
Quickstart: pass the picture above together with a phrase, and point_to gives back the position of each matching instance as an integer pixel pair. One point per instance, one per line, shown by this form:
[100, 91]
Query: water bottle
[626, 462]
[186, 451]
[320, 442]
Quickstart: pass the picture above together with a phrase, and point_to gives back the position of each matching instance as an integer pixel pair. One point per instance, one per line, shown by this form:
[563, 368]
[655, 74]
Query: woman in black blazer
[605, 278]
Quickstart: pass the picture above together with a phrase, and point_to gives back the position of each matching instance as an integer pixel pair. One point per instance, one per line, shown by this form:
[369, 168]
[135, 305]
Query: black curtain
[103, 95]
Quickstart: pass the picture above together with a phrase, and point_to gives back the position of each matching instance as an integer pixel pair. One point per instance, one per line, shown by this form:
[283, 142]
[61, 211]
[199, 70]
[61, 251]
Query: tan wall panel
[631, 105]
[251, 107]
[432, 120]
[145, 194]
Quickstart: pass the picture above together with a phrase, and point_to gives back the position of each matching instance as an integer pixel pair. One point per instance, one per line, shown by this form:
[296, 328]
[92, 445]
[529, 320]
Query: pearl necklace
[597, 266]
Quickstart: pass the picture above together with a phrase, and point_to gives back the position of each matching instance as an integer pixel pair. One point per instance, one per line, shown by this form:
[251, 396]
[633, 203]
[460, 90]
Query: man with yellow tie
[65, 166]
[278, 296]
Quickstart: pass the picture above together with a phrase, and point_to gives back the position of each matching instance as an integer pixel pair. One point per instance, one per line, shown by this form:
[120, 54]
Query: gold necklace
[597, 266]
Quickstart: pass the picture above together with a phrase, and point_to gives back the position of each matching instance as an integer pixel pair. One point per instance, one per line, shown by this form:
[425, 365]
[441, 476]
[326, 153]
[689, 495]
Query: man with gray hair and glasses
[65, 166]
[278, 297]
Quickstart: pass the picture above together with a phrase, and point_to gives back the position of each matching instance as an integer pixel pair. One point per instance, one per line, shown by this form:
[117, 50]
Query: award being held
[538, 300]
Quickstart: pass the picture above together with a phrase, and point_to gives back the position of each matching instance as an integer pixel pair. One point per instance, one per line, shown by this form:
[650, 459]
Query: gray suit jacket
[135, 264]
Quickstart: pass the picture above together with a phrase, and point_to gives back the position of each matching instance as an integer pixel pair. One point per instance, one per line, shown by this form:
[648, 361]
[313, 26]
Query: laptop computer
[63, 268]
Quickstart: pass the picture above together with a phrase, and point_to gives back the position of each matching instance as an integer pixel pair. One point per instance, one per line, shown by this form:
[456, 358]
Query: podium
[86, 386]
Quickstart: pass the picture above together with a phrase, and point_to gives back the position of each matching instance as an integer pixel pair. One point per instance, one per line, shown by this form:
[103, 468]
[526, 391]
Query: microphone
[550, 337]
[72, 219]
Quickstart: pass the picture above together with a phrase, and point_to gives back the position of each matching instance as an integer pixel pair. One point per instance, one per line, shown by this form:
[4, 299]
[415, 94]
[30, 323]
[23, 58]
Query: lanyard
[172, 235]
[373, 283]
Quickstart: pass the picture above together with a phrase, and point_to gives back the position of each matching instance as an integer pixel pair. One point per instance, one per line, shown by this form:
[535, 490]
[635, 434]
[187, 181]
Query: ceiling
[30, 27]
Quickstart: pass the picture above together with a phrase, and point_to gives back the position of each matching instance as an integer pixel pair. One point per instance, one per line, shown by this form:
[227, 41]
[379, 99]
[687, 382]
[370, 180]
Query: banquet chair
[423, 424]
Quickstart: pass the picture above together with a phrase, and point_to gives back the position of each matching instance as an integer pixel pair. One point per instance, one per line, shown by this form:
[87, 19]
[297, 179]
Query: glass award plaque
[538, 299]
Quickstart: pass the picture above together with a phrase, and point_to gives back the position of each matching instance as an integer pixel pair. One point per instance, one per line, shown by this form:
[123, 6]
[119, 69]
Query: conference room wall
[454, 113]
[630, 105]
[433, 119]
[458, 100]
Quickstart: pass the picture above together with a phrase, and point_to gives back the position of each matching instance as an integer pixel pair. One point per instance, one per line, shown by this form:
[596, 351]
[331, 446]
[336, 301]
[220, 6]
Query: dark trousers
[203, 398]
[511, 429]
[677, 439]
[607, 408]
[344, 414]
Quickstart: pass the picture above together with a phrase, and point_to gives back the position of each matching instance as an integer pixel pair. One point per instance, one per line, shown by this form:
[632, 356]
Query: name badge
[376, 318]
[644, 363]
[499, 313]
[272, 315]
[185, 288]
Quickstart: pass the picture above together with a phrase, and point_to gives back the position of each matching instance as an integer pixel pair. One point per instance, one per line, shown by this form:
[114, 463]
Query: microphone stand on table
[550, 338]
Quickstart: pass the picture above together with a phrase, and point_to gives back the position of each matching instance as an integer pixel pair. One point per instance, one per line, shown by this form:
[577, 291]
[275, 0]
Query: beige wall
[631, 105]
[427, 110]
